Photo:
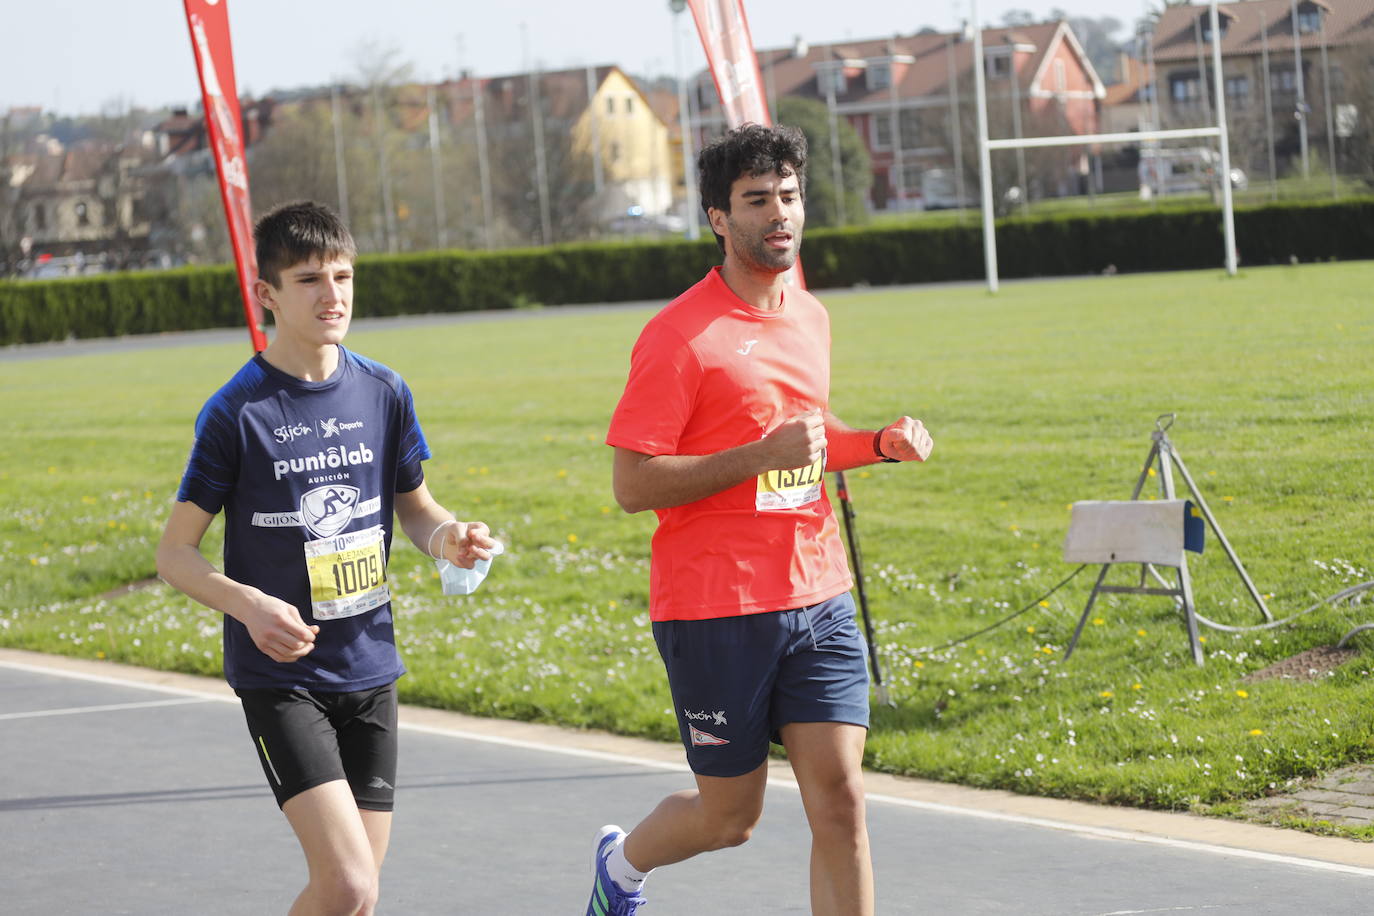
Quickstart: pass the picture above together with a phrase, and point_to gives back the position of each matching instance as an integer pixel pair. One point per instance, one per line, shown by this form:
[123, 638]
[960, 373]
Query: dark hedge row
[453, 281]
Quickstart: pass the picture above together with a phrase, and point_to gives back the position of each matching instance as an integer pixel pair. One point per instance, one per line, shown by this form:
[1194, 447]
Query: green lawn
[1037, 397]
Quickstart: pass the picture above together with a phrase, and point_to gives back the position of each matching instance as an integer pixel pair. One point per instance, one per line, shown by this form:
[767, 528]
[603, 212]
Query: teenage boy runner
[724, 430]
[308, 450]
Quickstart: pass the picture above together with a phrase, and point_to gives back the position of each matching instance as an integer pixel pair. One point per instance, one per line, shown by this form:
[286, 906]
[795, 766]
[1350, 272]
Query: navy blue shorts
[736, 681]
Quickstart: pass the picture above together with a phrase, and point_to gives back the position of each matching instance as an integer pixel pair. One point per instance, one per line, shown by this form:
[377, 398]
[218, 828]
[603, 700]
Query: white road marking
[109, 707]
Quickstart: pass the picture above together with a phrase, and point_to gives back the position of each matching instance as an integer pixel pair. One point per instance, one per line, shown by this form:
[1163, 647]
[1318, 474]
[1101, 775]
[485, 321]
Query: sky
[92, 56]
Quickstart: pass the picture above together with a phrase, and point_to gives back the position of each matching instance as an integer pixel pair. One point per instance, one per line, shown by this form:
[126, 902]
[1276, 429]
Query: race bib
[347, 573]
[790, 489]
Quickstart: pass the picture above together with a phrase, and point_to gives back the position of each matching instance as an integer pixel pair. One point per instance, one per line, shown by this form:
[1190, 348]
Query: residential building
[618, 143]
[911, 98]
[1281, 62]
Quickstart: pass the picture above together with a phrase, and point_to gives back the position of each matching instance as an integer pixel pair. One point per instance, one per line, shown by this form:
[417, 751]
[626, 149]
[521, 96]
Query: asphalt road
[131, 792]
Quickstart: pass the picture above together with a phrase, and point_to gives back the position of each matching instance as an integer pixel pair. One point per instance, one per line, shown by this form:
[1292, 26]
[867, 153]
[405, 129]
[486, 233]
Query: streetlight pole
[689, 180]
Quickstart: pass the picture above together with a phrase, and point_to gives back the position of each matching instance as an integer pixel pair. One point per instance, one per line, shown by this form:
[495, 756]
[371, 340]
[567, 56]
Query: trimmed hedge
[453, 281]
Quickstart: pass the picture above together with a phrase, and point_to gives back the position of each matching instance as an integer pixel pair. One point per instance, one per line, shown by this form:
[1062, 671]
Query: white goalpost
[986, 146]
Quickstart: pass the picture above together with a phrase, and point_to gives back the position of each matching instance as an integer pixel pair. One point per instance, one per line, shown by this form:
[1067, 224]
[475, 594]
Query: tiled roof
[1250, 22]
[922, 65]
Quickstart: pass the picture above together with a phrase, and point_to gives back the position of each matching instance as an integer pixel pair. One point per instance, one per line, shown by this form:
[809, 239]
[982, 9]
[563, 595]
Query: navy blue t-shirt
[306, 473]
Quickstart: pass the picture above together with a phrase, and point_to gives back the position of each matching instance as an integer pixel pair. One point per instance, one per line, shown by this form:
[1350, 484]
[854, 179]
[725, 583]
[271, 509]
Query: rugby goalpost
[986, 146]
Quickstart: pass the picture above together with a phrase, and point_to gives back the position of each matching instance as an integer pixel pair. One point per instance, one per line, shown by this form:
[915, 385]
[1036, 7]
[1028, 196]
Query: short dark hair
[752, 150]
[298, 232]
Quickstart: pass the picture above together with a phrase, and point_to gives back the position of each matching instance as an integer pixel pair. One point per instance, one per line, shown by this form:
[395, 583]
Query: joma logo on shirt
[336, 456]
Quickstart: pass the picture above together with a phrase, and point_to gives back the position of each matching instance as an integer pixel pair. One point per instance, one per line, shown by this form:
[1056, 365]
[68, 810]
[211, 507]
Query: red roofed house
[924, 84]
[1250, 32]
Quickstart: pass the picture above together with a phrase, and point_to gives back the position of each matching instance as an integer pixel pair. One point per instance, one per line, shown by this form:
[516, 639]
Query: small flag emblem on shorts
[704, 739]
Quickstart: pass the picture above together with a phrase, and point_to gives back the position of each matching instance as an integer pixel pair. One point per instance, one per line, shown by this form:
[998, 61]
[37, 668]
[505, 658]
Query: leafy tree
[856, 169]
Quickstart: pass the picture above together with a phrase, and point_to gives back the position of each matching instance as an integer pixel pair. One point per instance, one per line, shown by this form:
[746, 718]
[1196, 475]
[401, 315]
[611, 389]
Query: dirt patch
[1316, 662]
[128, 587]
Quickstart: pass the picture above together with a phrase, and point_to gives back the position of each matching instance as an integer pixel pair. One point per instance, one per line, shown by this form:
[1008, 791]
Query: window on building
[1206, 21]
[629, 105]
[1185, 89]
[610, 106]
[1238, 89]
[911, 176]
[1061, 76]
[40, 217]
[832, 80]
[1281, 80]
[882, 131]
[1309, 20]
[83, 216]
[999, 66]
[923, 127]
[879, 76]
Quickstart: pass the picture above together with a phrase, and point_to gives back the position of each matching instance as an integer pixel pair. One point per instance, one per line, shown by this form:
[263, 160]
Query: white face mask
[459, 581]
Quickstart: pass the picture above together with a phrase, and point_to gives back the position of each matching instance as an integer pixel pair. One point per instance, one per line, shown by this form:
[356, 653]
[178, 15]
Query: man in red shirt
[725, 431]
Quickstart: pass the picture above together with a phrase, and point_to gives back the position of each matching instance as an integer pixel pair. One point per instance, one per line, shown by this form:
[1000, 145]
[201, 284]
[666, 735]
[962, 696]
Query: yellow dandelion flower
[548, 438]
[1135, 686]
[1226, 499]
[1035, 546]
[864, 475]
[605, 510]
[1106, 694]
[1150, 471]
[612, 605]
[1047, 650]
[920, 664]
[572, 539]
[1202, 639]
[1140, 632]
[561, 473]
[1242, 694]
[472, 470]
[1098, 621]
[1256, 732]
[1044, 604]
[1030, 629]
[52, 469]
[99, 654]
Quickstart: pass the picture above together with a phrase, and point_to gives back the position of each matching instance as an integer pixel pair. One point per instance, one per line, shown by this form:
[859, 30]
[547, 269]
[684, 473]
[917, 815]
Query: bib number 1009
[358, 574]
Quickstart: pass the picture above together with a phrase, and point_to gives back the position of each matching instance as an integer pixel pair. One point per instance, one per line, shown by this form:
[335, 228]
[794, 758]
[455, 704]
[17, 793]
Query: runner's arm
[461, 543]
[643, 481]
[904, 440]
[276, 627]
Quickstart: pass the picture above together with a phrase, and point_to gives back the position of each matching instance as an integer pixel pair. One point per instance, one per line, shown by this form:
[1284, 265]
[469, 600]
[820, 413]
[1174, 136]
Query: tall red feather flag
[724, 32]
[209, 24]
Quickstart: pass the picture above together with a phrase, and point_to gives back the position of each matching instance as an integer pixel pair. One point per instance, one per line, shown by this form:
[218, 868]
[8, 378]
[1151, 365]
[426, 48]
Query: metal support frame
[1164, 455]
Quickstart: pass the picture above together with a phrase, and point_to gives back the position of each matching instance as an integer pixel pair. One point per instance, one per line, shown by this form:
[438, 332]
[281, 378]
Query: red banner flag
[730, 55]
[724, 32]
[209, 24]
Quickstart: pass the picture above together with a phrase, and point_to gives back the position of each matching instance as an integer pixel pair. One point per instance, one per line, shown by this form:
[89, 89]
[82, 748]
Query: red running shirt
[710, 372]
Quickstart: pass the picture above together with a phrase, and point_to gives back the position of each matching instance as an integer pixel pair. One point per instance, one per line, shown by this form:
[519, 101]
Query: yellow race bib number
[790, 489]
[347, 573]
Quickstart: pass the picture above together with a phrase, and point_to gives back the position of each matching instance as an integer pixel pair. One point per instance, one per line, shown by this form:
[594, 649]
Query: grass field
[1037, 397]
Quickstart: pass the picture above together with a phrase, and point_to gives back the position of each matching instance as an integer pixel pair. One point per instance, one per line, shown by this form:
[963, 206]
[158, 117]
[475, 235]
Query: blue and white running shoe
[607, 897]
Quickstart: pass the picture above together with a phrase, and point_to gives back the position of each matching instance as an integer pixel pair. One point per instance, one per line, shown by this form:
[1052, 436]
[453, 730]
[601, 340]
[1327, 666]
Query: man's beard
[756, 252]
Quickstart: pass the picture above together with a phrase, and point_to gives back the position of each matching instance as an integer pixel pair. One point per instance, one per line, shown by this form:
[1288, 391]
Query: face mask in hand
[459, 581]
